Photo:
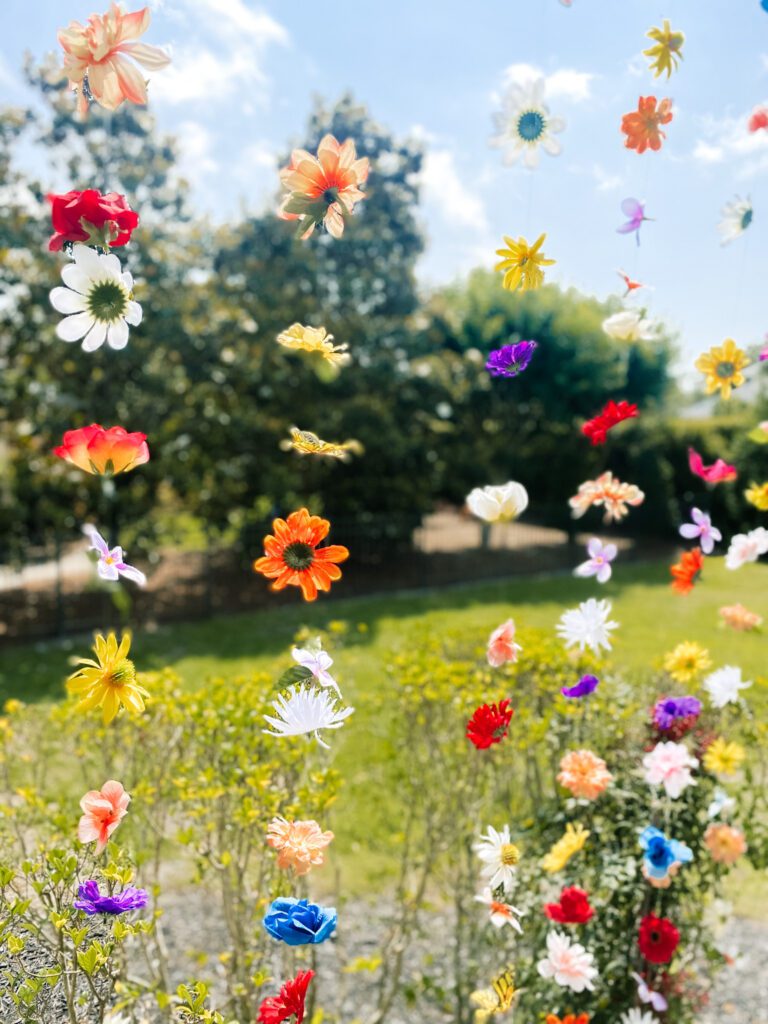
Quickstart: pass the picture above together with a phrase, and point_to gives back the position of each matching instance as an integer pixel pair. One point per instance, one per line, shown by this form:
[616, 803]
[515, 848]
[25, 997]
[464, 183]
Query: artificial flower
[103, 450]
[757, 495]
[90, 217]
[701, 529]
[760, 433]
[510, 360]
[587, 626]
[597, 428]
[300, 845]
[501, 645]
[686, 572]
[584, 774]
[630, 326]
[110, 565]
[489, 724]
[306, 710]
[92, 902]
[599, 562]
[569, 1018]
[299, 922]
[646, 994]
[658, 939]
[758, 119]
[608, 492]
[721, 803]
[317, 662]
[95, 58]
[292, 556]
[585, 686]
[499, 912]
[288, 1003]
[643, 126]
[110, 681]
[665, 53]
[722, 367]
[522, 264]
[499, 856]
[746, 547]
[306, 443]
[323, 189]
[740, 618]
[630, 285]
[724, 685]
[669, 765]
[498, 504]
[723, 757]
[718, 472]
[663, 856]
[498, 998]
[103, 810]
[724, 842]
[568, 963]
[524, 125]
[637, 1016]
[316, 340]
[572, 840]
[686, 661]
[675, 716]
[737, 216]
[573, 907]
[634, 210]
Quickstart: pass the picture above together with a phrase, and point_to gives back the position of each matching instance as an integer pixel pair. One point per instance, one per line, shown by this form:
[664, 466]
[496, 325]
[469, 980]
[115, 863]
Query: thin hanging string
[529, 202]
[738, 295]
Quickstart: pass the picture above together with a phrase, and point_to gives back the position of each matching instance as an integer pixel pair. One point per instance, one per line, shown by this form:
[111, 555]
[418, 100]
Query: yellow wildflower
[12, 706]
[722, 367]
[571, 842]
[314, 339]
[522, 264]
[307, 443]
[665, 54]
[723, 758]
[109, 681]
[687, 661]
[757, 495]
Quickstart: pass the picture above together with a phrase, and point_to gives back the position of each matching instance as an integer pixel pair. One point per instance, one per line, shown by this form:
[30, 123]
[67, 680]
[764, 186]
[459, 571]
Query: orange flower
[738, 617]
[103, 450]
[569, 1018]
[300, 844]
[95, 58]
[687, 571]
[293, 558]
[325, 188]
[642, 126]
[584, 774]
[725, 843]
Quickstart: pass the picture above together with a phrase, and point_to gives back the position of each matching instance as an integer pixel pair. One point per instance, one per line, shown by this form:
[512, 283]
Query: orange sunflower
[643, 126]
[687, 571]
[292, 556]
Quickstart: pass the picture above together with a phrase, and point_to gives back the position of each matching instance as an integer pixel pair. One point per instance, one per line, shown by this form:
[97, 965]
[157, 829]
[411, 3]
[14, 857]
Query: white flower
[746, 547]
[501, 913]
[737, 216]
[587, 625]
[499, 855]
[637, 1016]
[498, 504]
[721, 804]
[723, 685]
[111, 565]
[669, 765]
[568, 963]
[305, 710]
[318, 662]
[98, 300]
[524, 124]
[630, 326]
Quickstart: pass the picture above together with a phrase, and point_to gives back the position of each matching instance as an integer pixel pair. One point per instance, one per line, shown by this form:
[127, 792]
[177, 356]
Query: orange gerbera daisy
[293, 558]
[643, 126]
[687, 571]
[323, 189]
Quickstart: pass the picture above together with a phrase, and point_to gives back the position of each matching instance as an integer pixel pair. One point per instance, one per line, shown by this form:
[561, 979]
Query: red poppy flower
[658, 939]
[292, 556]
[573, 907]
[90, 217]
[569, 1018]
[687, 571]
[597, 428]
[489, 724]
[289, 1002]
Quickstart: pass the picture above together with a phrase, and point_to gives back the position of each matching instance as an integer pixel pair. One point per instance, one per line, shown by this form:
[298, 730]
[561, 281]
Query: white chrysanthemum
[723, 686]
[737, 216]
[306, 710]
[746, 547]
[568, 963]
[500, 913]
[524, 125]
[630, 326]
[588, 625]
[499, 856]
[499, 504]
[637, 1016]
[98, 300]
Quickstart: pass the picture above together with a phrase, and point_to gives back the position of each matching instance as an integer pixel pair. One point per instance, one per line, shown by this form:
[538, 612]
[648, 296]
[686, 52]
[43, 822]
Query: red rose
[658, 939]
[290, 1001]
[489, 723]
[90, 217]
[573, 907]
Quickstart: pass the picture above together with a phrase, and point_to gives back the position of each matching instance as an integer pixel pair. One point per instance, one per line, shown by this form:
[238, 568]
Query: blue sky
[244, 74]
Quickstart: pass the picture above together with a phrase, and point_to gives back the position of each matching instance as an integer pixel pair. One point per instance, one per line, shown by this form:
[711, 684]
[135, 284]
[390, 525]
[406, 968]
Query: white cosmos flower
[499, 856]
[630, 326]
[737, 216]
[98, 300]
[568, 963]
[498, 504]
[746, 547]
[637, 1016]
[501, 913]
[314, 658]
[588, 625]
[524, 124]
[723, 686]
[305, 710]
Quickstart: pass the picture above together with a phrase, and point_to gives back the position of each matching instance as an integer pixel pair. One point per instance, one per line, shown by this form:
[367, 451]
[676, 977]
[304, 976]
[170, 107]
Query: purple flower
[669, 710]
[599, 562]
[585, 686]
[702, 530]
[510, 360]
[111, 565]
[92, 902]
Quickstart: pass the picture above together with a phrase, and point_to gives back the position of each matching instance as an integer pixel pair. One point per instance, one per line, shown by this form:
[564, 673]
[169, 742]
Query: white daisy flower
[98, 301]
[723, 686]
[501, 913]
[638, 1016]
[498, 504]
[499, 856]
[524, 125]
[630, 326]
[305, 710]
[588, 625]
[737, 216]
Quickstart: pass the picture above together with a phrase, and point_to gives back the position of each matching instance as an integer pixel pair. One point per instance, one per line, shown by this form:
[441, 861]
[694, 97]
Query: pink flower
[701, 529]
[669, 765]
[568, 963]
[110, 565]
[103, 810]
[719, 472]
[501, 645]
[599, 563]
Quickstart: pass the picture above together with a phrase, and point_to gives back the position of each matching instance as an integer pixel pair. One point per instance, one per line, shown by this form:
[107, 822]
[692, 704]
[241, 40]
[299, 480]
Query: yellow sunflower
[665, 54]
[757, 495]
[723, 758]
[522, 264]
[109, 681]
[687, 661]
[722, 367]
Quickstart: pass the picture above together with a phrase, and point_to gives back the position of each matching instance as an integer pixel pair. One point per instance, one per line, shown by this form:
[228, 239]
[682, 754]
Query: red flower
[573, 907]
[687, 571]
[759, 119]
[597, 428]
[103, 450]
[90, 217]
[489, 724]
[658, 939]
[289, 1001]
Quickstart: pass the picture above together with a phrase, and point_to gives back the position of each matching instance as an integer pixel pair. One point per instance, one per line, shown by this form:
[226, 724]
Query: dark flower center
[107, 301]
[725, 369]
[330, 195]
[299, 555]
[530, 126]
[655, 936]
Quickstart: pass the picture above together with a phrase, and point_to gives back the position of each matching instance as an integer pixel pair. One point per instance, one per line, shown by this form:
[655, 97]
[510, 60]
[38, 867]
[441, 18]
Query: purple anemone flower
[510, 360]
[670, 710]
[585, 686]
[92, 902]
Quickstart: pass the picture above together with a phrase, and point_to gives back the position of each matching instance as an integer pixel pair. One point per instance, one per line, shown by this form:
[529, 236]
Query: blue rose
[661, 853]
[299, 922]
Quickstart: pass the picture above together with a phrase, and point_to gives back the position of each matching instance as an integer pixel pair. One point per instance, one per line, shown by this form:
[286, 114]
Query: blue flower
[299, 922]
[661, 853]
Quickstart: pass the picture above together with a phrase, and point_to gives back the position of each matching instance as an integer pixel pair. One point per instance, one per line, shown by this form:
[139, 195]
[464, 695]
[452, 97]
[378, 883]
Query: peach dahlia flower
[300, 844]
[323, 189]
[584, 774]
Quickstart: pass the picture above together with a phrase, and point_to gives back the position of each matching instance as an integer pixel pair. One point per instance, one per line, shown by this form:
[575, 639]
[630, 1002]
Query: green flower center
[107, 301]
[299, 555]
[122, 673]
[746, 219]
[725, 369]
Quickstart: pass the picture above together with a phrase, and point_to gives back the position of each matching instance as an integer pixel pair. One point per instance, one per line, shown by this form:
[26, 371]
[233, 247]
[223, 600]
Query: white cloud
[196, 146]
[443, 187]
[605, 182]
[728, 140]
[563, 84]
[708, 154]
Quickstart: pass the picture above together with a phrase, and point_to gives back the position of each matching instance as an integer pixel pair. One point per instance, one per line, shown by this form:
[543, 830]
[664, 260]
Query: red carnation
[90, 217]
[489, 724]
[289, 1001]
[573, 907]
[597, 428]
[658, 939]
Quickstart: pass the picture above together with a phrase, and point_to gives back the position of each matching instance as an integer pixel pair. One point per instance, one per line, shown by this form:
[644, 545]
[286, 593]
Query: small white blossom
[723, 686]
[306, 710]
[587, 626]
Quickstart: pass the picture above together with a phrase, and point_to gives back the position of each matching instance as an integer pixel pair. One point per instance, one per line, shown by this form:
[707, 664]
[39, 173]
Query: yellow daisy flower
[109, 681]
[570, 843]
[722, 367]
[687, 661]
[722, 758]
[757, 495]
[307, 443]
[314, 339]
[665, 54]
[522, 264]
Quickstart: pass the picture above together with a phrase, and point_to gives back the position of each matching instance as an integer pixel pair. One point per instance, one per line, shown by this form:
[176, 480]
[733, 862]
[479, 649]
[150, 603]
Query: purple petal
[595, 547]
[585, 686]
[131, 573]
[689, 531]
[604, 573]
